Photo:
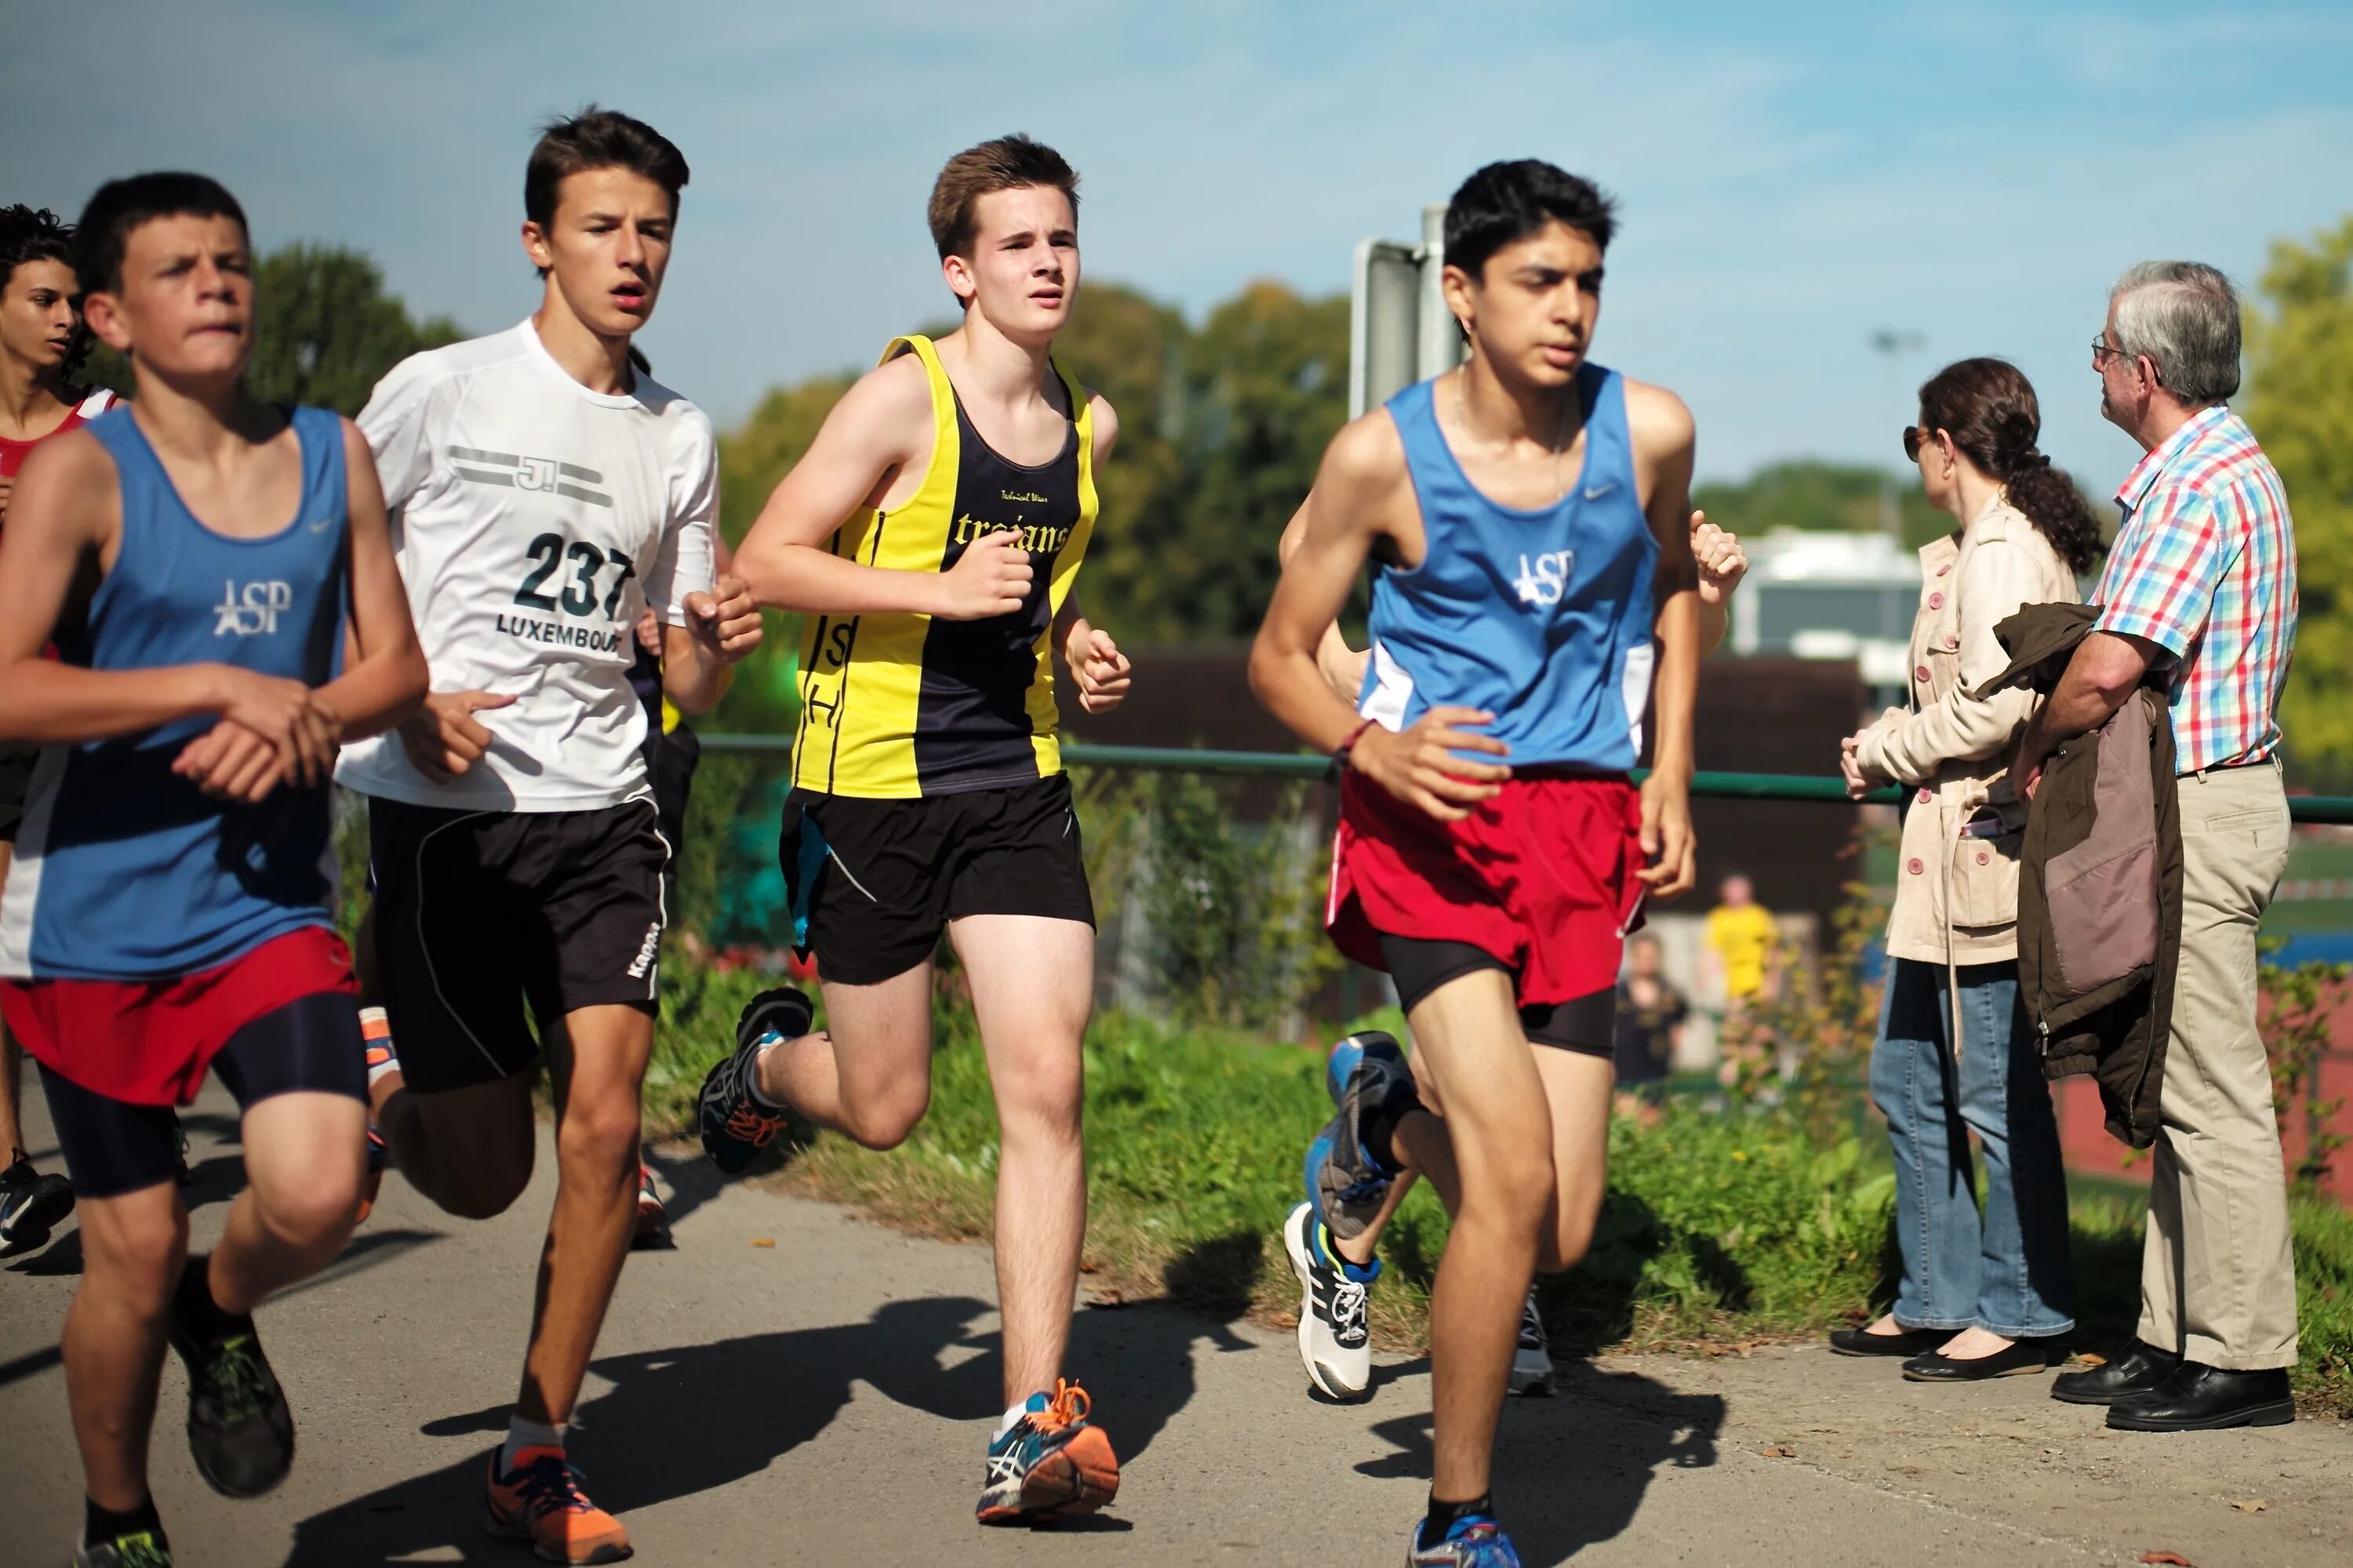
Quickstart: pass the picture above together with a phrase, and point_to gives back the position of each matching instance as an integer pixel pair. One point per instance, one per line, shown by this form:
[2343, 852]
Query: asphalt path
[796, 1385]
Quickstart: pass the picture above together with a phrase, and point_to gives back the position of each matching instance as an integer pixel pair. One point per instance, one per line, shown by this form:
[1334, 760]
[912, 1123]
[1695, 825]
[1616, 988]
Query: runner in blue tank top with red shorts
[219, 580]
[1529, 514]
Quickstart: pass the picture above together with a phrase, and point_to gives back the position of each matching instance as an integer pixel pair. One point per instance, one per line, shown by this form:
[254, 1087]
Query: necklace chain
[1560, 442]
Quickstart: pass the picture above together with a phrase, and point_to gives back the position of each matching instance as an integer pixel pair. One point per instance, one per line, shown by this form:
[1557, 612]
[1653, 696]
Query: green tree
[327, 331]
[324, 331]
[1808, 492]
[2299, 402]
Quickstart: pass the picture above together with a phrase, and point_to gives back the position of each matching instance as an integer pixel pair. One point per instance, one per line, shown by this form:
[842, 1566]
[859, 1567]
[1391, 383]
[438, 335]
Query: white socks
[753, 1083]
[1011, 1416]
[522, 1435]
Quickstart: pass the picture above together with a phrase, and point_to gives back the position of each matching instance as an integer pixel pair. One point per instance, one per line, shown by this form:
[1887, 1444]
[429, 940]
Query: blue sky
[1792, 177]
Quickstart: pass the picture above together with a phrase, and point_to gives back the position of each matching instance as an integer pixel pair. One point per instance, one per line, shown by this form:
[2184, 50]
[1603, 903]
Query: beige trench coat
[1956, 897]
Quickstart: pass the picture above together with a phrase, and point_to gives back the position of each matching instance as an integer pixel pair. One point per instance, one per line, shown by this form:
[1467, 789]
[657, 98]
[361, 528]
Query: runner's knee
[1044, 1103]
[883, 1121]
[603, 1134]
[319, 1213]
[132, 1256]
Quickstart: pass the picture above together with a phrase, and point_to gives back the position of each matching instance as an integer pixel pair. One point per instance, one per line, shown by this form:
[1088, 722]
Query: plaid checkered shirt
[2204, 566]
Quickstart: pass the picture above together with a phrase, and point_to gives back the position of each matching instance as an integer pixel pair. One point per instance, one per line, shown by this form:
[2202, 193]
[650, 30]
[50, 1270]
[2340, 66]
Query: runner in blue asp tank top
[1534, 595]
[1540, 618]
[217, 576]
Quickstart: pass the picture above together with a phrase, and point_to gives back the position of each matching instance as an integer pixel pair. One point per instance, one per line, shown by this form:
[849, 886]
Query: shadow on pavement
[1572, 1471]
[758, 1397]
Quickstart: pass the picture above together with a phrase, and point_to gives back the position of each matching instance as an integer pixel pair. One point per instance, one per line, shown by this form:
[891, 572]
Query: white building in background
[1818, 595]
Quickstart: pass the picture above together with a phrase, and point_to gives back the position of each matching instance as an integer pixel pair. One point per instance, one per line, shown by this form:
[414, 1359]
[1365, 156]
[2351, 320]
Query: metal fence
[2333, 809]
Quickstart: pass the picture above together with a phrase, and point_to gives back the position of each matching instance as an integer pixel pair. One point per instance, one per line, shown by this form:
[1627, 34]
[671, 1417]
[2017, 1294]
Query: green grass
[1720, 1228]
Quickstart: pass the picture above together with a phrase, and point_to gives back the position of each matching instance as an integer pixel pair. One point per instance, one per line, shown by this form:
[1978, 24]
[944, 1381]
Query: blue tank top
[1543, 619]
[125, 870]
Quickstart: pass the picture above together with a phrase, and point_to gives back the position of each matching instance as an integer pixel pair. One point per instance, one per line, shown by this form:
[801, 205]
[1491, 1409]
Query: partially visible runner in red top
[42, 345]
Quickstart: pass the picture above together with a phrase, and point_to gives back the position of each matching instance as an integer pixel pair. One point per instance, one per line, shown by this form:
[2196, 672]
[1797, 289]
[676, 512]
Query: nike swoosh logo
[1596, 491]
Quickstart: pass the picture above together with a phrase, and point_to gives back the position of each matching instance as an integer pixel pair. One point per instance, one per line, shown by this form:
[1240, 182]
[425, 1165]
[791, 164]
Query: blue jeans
[2006, 1271]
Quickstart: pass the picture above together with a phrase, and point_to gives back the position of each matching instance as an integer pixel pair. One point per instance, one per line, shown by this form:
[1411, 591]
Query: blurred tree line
[1221, 426]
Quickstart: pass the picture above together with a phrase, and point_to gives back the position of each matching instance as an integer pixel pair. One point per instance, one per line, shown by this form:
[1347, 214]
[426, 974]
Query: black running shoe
[131, 1549]
[239, 1428]
[1346, 1184]
[31, 1205]
[735, 1125]
[1532, 1357]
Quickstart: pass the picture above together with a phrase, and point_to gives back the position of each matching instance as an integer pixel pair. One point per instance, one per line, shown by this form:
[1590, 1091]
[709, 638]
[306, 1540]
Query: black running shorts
[873, 883]
[16, 778]
[112, 1147]
[479, 912]
[1585, 1024]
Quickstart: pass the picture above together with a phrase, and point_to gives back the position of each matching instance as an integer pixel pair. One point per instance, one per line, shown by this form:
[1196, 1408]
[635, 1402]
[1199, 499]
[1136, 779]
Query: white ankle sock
[522, 1435]
[757, 1062]
[1011, 1416]
[375, 1026]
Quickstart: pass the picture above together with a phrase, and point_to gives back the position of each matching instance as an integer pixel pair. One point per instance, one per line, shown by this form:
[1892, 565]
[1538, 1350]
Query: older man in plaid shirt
[2199, 586]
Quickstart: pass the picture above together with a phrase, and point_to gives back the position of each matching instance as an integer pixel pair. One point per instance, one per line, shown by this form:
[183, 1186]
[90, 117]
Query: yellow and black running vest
[898, 706]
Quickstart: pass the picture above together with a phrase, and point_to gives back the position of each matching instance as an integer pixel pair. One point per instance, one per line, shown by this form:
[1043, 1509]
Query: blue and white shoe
[1051, 1464]
[1336, 1341]
[1473, 1542]
[1346, 1186]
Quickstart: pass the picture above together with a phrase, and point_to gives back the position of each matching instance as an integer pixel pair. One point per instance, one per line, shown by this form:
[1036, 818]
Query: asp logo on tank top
[251, 609]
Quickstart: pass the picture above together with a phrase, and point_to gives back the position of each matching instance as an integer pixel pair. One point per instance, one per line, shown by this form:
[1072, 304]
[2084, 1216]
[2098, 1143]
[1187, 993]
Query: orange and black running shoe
[736, 1125]
[539, 1500]
[1052, 1463]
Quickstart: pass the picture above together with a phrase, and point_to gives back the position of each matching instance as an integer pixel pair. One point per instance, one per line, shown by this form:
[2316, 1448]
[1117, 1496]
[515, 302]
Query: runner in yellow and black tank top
[898, 706]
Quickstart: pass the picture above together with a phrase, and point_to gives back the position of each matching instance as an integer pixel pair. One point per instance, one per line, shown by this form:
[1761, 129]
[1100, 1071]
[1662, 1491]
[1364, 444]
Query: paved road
[826, 1399]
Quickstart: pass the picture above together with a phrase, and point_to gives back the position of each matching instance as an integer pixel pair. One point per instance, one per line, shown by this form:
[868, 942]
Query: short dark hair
[597, 139]
[1007, 164]
[123, 206]
[1509, 201]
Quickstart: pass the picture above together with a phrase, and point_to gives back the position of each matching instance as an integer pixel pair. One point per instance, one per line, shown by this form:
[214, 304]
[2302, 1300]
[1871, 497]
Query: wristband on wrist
[1340, 758]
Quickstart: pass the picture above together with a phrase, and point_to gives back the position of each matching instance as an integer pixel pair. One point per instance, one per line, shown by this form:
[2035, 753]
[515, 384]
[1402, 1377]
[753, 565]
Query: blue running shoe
[1347, 1185]
[1475, 1540]
[734, 1124]
[1050, 1464]
[1365, 1044]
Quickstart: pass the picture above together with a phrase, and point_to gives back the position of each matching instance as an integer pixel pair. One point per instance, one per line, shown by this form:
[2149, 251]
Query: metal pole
[1438, 342]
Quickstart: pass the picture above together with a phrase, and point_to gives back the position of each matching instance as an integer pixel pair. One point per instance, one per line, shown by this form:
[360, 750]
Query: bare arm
[1722, 564]
[385, 677]
[64, 518]
[2105, 671]
[1360, 487]
[882, 426]
[1343, 666]
[1664, 440]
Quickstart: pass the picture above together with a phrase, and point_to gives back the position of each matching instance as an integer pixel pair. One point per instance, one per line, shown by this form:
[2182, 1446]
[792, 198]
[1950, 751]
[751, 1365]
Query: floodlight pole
[1438, 342]
[1893, 345]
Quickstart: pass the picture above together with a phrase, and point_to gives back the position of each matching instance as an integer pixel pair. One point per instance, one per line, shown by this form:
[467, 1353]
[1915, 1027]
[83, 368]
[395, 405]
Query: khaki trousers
[2218, 1283]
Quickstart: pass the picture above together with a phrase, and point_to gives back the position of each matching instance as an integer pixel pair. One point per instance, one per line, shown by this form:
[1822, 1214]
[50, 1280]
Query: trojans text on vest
[1037, 538]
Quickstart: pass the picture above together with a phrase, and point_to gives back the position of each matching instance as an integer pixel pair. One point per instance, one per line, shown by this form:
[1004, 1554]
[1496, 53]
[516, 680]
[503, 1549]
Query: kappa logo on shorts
[648, 951]
[511, 471]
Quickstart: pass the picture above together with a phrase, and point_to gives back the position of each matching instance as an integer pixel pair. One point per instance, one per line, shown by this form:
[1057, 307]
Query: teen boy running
[1492, 849]
[220, 584]
[42, 344]
[1335, 1278]
[547, 494]
[930, 538]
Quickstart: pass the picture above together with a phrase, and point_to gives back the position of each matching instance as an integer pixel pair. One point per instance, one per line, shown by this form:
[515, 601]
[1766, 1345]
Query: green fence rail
[2314, 809]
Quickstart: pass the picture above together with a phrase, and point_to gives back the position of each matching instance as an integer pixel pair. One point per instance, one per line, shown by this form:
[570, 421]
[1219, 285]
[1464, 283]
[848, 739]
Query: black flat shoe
[2135, 1369]
[2022, 1356]
[2199, 1398]
[1911, 1342]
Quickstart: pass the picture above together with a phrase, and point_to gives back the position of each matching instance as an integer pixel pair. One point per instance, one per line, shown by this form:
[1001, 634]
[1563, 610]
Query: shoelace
[236, 1378]
[1532, 1330]
[1349, 1305]
[550, 1485]
[1069, 1405]
[752, 1122]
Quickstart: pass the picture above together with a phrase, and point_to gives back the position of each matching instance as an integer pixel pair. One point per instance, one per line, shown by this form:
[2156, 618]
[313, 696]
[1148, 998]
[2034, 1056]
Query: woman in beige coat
[1982, 1295]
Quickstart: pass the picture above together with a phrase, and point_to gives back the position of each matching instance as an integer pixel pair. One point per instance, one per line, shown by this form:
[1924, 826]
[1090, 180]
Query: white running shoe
[1335, 1341]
